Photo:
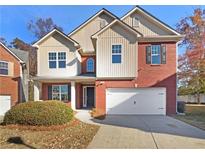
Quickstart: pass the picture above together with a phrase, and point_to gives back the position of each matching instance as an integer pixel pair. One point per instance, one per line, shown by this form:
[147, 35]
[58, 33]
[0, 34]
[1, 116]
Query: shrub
[45, 113]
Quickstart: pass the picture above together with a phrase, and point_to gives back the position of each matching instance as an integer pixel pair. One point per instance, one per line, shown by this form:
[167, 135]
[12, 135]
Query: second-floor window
[116, 54]
[57, 59]
[3, 68]
[61, 59]
[156, 54]
[90, 65]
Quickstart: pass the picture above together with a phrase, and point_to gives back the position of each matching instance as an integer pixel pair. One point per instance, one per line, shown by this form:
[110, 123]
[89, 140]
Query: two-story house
[117, 65]
[14, 75]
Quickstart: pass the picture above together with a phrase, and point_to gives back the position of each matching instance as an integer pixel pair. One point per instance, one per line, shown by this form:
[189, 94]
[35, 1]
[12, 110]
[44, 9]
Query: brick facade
[163, 75]
[83, 63]
[10, 85]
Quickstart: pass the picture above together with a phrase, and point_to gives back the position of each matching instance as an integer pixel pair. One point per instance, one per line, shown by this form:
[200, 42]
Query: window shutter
[163, 54]
[50, 92]
[69, 93]
[148, 54]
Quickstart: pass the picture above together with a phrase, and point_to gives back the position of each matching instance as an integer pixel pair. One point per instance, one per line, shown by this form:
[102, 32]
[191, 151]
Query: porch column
[36, 90]
[73, 95]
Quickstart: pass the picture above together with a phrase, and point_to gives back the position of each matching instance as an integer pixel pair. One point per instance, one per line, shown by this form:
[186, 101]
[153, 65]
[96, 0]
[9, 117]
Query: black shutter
[148, 54]
[69, 93]
[49, 92]
[163, 54]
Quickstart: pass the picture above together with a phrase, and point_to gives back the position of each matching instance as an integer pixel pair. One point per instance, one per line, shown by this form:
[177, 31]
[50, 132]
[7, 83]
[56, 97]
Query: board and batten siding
[146, 27]
[116, 35]
[83, 36]
[57, 43]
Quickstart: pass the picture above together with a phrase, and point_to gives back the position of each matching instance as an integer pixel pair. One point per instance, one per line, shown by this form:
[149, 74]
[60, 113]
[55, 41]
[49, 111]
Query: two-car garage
[143, 101]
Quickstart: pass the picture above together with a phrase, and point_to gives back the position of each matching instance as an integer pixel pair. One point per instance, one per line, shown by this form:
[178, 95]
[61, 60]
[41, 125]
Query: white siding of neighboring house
[147, 27]
[83, 36]
[116, 34]
[58, 43]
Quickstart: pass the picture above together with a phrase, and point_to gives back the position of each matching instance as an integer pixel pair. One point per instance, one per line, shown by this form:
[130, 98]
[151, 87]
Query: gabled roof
[13, 54]
[22, 54]
[112, 23]
[151, 17]
[91, 18]
[55, 30]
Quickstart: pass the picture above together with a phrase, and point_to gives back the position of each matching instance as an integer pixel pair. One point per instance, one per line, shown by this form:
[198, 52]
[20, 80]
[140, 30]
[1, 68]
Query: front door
[89, 97]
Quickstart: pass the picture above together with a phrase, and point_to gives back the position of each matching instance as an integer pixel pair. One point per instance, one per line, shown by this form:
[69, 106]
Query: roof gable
[51, 33]
[114, 22]
[92, 18]
[152, 18]
[9, 51]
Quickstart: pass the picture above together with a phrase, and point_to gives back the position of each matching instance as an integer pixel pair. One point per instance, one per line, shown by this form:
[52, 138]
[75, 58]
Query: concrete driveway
[136, 131]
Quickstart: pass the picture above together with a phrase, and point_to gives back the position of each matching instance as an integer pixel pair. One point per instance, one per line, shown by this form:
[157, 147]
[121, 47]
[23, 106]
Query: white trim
[50, 33]
[112, 23]
[11, 52]
[73, 95]
[60, 93]
[85, 95]
[97, 14]
[122, 49]
[157, 21]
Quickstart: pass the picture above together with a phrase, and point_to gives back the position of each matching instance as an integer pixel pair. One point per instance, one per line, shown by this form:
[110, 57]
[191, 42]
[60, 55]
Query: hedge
[40, 113]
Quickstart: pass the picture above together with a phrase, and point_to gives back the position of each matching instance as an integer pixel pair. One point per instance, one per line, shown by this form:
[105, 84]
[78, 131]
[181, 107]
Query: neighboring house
[13, 77]
[118, 66]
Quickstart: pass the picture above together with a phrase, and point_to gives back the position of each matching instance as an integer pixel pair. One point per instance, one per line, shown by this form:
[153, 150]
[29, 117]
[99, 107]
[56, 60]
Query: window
[60, 92]
[62, 60]
[135, 22]
[57, 63]
[90, 65]
[155, 54]
[3, 68]
[52, 59]
[102, 23]
[116, 53]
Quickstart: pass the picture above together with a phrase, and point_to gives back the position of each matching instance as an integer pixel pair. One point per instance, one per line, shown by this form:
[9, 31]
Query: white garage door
[5, 104]
[136, 101]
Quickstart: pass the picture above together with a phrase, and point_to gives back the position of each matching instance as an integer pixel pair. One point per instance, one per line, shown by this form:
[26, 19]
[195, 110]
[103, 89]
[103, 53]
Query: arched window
[90, 65]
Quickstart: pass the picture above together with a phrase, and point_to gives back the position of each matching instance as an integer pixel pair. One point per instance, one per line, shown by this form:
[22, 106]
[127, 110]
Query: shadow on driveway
[153, 124]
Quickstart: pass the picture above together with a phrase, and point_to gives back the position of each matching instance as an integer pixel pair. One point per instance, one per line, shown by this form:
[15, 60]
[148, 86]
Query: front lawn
[195, 115]
[76, 134]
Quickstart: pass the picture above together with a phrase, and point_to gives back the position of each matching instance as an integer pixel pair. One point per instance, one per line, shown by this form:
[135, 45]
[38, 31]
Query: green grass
[194, 115]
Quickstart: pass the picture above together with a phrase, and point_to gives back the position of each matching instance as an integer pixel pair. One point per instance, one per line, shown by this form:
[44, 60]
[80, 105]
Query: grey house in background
[24, 56]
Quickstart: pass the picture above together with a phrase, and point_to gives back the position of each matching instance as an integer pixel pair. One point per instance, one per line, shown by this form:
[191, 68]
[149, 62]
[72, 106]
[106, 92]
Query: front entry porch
[77, 94]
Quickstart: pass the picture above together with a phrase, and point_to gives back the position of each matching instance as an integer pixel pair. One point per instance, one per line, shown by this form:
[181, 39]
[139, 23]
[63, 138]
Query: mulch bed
[75, 134]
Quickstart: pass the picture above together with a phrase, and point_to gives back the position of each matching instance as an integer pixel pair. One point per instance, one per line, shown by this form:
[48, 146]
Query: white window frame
[57, 59]
[117, 53]
[62, 60]
[4, 68]
[60, 92]
[156, 54]
[135, 22]
[93, 63]
[52, 59]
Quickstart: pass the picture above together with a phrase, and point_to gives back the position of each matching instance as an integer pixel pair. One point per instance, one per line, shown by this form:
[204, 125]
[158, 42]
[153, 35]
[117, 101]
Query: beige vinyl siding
[83, 36]
[116, 35]
[10, 69]
[57, 43]
[147, 27]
